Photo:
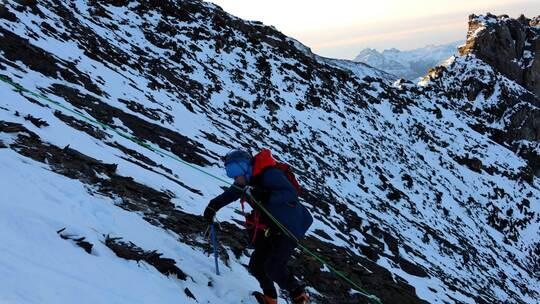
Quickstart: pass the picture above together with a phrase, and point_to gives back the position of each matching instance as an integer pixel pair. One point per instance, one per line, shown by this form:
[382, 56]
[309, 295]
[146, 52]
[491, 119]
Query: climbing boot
[301, 299]
[299, 296]
[263, 299]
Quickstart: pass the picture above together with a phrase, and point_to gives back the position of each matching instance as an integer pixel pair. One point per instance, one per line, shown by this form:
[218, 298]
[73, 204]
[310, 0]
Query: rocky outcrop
[511, 46]
[130, 251]
[507, 112]
[496, 81]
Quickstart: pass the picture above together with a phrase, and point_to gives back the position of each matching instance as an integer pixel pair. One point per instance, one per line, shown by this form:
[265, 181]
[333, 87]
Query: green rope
[162, 152]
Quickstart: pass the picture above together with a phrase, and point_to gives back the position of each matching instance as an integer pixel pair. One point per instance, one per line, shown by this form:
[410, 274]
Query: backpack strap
[290, 176]
[252, 220]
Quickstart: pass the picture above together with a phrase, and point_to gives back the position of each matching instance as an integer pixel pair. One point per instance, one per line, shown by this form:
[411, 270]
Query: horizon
[416, 48]
[346, 27]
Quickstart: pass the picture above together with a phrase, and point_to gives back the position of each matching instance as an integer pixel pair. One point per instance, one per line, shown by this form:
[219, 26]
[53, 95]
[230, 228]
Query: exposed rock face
[511, 46]
[509, 113]
[496, 79]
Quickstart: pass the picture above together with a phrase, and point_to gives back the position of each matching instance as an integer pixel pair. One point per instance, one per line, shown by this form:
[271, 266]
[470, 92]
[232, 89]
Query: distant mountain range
[410, 64]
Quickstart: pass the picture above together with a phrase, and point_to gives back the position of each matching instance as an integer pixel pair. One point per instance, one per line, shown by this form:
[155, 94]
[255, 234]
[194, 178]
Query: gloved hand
[209, 214]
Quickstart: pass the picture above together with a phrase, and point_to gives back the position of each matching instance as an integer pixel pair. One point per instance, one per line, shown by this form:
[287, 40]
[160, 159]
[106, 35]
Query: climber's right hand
[209, 214]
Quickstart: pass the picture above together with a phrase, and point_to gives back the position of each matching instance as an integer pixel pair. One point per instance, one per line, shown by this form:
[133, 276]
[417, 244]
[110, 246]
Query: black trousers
[268, 263]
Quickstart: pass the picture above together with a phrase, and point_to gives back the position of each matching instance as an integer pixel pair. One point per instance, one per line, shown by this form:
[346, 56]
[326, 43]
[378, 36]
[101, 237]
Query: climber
[261, 180]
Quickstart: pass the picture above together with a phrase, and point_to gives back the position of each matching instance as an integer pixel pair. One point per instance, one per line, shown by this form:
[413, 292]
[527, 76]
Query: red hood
[262, 160]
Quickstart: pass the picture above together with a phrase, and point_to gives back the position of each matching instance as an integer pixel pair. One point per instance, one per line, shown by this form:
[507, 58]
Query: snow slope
[403, 189]
[39, 267]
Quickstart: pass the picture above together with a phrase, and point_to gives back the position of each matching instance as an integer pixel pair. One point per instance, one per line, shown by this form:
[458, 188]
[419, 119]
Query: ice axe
[214, 244]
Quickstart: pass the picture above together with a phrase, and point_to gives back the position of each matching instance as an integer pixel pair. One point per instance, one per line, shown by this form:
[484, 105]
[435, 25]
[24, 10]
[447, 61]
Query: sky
[342, 28]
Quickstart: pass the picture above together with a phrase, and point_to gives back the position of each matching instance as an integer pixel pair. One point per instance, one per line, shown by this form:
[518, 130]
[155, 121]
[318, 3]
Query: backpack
[264, 160]
[290, 176]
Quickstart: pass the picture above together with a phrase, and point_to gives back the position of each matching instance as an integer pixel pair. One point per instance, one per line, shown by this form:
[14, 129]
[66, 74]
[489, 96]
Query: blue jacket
[277, 195]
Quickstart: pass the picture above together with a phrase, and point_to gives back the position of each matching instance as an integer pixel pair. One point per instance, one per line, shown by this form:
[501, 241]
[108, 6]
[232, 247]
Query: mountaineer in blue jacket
[263, 182]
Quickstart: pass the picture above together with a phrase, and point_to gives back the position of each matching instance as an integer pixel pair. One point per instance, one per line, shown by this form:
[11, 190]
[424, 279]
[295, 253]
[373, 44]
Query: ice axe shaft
[214, 244]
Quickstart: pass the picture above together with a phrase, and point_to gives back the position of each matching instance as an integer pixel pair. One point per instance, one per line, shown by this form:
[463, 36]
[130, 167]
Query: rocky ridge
[493, 80]
[509, 45]
[495, 91]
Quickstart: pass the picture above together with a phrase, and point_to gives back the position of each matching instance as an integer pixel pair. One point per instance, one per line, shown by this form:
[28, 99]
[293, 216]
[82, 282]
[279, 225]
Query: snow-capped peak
[410, 64]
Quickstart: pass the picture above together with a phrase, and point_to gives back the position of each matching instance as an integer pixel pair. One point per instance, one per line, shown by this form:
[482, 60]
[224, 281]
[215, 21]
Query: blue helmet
[238, 163]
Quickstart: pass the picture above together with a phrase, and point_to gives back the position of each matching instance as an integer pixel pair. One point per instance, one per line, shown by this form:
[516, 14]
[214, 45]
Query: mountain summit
[111, 110]
[512, 46]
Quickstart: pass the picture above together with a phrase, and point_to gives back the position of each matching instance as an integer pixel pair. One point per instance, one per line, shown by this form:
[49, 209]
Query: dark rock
[408, 180]
[153, 114]
[130, 251]
[189, 294]
[412, 268]
[79, 241]
[38, 122]
[525, 124]
[322, 234]
[504, 43]
[472, 163]
[7, 15]
[82, 126]
[369, 252]
[392, 243]
[394, 195]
